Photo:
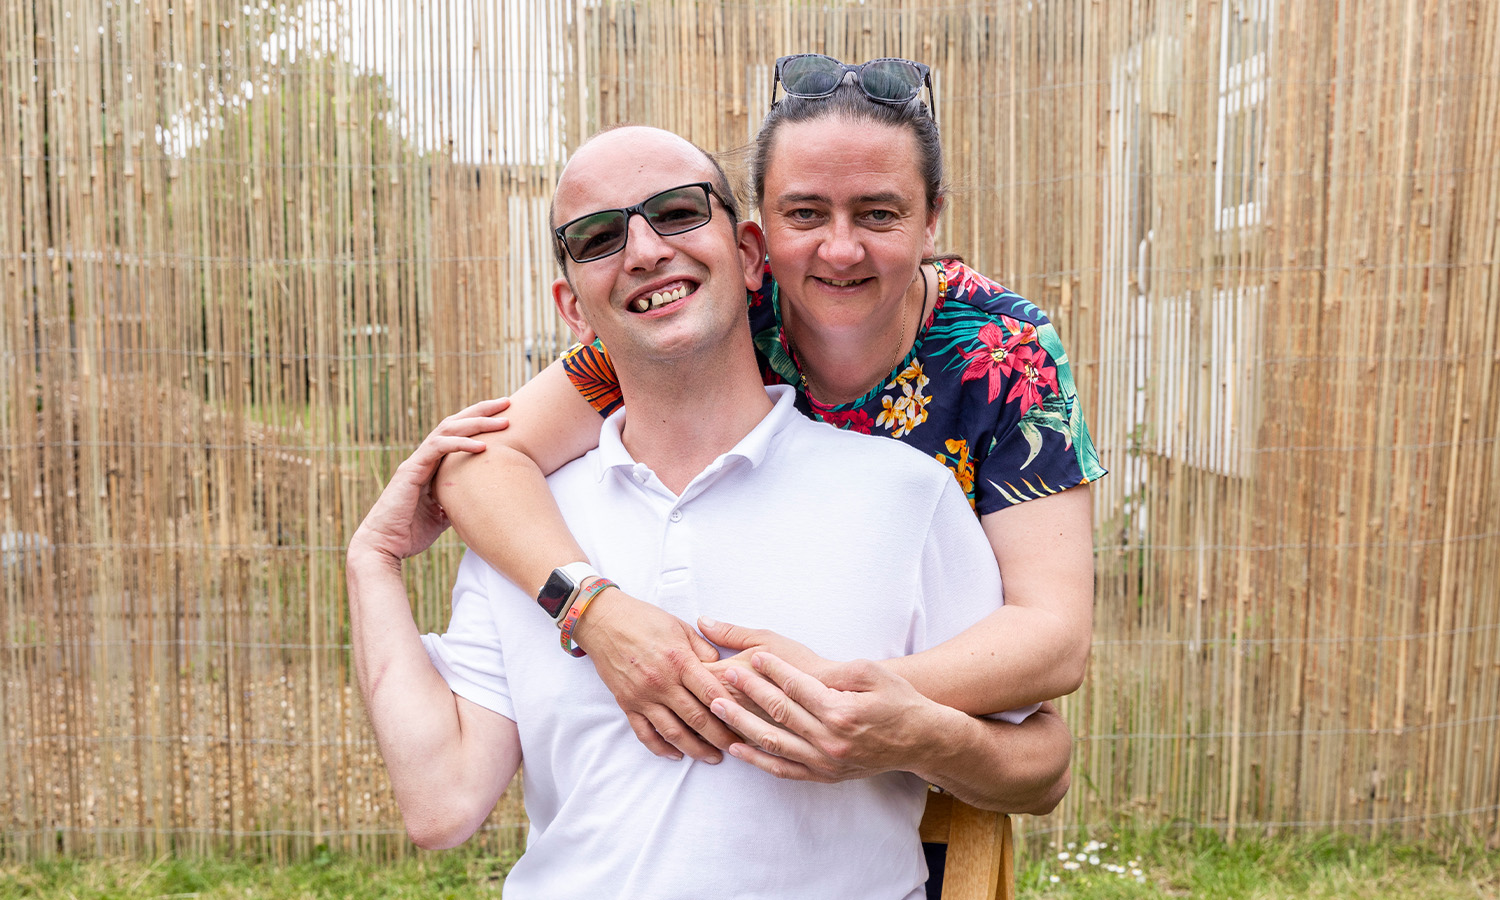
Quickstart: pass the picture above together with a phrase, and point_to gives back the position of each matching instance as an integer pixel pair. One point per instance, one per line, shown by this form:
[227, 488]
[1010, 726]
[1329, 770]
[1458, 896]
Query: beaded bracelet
[575, 612]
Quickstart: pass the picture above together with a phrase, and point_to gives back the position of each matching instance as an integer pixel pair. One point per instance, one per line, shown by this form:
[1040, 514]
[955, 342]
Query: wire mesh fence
[253, 252]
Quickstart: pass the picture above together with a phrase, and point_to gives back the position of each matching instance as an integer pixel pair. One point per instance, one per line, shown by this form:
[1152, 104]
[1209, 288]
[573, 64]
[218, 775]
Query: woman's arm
[1036, 646]
[499, 504]
[859, 720]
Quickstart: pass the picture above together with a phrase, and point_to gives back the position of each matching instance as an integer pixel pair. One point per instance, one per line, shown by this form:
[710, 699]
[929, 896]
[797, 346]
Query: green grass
[454, 875]
[1155, 863]
[1170, 862]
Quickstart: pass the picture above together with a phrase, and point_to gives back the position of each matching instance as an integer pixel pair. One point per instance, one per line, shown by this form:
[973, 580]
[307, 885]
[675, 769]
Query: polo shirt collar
[752, 448]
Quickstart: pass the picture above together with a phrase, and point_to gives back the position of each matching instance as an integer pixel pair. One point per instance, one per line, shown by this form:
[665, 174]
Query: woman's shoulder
[977, 329]
[1009, 390]
[971, 293]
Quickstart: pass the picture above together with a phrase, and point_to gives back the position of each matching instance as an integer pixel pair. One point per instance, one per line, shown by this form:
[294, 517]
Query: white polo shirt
[857, 546]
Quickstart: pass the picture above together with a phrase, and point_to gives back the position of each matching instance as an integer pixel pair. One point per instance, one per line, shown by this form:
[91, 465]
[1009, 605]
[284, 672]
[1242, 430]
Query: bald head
[627, 153]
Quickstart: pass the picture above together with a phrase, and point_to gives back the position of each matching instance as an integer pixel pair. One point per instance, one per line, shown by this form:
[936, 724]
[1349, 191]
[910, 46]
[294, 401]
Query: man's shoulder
[859, 454]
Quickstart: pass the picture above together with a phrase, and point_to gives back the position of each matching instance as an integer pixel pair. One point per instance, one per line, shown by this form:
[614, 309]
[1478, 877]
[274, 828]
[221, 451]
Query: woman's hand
[861, 719]
[406, 518]
[748, 641]
[858, 720]
[654, 665]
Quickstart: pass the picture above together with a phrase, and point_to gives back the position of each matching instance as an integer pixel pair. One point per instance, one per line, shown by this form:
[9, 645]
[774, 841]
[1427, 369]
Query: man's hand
[859, 720]
[653, 664]
[405, 520]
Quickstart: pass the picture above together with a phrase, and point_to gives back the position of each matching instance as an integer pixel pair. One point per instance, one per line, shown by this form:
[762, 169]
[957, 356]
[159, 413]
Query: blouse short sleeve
[592, 372]
[1006, 396]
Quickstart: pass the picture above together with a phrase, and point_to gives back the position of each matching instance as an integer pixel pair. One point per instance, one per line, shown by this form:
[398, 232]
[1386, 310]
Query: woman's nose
[842, 247]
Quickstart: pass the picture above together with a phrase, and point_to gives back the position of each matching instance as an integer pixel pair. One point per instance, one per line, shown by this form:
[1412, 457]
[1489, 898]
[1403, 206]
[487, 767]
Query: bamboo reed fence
[252, 252]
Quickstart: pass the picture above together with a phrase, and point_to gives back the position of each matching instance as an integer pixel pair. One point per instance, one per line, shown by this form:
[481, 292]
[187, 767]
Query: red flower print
[994, 357]
[852, 420]
[969, 282]
[1032, 364]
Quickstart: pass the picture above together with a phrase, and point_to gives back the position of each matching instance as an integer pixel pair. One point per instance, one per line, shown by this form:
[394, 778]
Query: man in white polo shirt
[707, 458]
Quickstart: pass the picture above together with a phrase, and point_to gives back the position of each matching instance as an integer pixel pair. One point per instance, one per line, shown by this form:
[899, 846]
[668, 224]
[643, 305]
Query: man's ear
[752, 244]
[572, 313]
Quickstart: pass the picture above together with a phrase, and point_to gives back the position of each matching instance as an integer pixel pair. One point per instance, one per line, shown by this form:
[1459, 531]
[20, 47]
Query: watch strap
[581, 601]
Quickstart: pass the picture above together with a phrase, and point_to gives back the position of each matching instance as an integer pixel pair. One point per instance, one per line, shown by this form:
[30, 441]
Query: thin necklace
[807, 386]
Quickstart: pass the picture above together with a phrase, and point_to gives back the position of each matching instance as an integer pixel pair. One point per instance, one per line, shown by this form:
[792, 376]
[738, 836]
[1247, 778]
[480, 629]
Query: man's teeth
[659, 299]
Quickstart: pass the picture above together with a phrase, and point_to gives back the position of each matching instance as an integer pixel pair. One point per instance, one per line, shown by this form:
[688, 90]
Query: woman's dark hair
[848, 102]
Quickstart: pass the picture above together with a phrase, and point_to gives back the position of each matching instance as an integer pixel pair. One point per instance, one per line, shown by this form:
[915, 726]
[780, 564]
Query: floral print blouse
[986, 390]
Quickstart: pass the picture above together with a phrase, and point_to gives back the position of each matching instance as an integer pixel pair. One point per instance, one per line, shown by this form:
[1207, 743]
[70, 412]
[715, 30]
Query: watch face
[555, 593]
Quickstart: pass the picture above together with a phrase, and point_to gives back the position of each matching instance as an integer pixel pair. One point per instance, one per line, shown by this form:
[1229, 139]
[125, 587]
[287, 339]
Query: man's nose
[644, 248]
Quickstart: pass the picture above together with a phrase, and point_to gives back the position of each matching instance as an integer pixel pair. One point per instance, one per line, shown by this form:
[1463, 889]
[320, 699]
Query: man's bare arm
[449, 760]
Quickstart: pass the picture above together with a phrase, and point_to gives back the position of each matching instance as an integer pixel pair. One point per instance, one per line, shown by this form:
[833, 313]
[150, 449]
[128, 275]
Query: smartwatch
[562, 586]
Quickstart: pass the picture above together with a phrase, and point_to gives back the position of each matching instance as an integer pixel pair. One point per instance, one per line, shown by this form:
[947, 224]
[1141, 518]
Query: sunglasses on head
[887, 80]
[673, 211]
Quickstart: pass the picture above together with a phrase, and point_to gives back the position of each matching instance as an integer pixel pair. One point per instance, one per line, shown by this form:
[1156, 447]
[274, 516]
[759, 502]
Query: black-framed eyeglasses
[886, 80]
[673, 211]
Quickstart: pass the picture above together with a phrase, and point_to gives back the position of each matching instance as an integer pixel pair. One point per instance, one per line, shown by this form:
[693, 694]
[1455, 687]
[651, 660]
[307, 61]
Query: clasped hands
[774, 704]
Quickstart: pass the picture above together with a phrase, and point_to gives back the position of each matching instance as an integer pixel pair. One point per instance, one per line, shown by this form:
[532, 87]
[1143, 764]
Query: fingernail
[737, 751]
[758, 660]
[732, 676]
[719, 708]
[707, 622]
[714, 760]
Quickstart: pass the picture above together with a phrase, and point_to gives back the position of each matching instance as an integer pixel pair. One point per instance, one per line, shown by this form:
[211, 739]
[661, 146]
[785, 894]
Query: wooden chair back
[981, 862]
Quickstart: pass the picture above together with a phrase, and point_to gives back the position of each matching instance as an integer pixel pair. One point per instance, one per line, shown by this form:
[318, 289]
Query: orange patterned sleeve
[593, 374]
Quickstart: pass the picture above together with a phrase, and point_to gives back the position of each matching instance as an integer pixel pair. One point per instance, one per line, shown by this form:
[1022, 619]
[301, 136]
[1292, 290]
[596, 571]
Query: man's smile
[658, 299]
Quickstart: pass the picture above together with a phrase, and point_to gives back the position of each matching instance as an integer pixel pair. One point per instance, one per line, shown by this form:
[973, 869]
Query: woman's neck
[843, 369]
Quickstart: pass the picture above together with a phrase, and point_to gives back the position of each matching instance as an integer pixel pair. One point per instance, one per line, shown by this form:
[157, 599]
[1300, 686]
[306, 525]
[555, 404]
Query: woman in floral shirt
[878, 337]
